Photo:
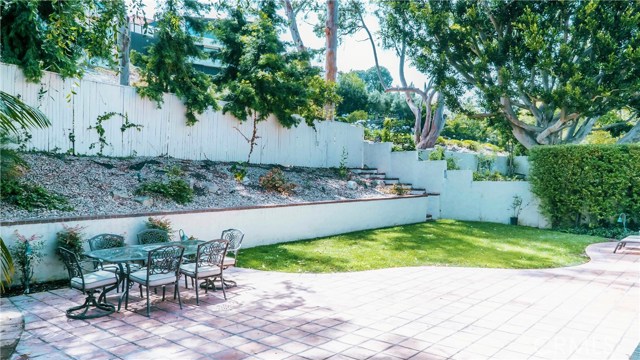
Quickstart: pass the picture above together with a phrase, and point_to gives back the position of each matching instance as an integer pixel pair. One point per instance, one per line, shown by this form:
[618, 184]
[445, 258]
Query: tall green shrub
[588, 185]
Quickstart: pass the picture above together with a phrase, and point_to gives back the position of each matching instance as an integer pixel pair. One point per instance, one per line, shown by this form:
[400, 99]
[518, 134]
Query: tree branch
[373, 47]
[293, 25]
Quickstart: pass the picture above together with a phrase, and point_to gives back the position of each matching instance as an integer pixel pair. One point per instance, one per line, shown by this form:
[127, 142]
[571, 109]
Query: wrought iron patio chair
[110, 241]
[235, 237]
[163, 268]
[88, 283]
[152, 236]
[208, 265]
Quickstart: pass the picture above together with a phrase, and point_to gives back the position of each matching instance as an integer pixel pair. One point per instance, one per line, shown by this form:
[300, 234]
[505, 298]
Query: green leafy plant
[7, 265]
[343, 171]
[516, 205]
[161, 223]
[274, 180]
[616, 232]
[485, 162]
[176, 189]
[57, 35]
[587, 185]
[392, 131]
[70, 238]
[12, 165]
[398, 189]
[239, 171]
[15, 117]
[452, 164]
[29, 196]
[27, 253]
[438, 154]
[260, 76]
[168, 65]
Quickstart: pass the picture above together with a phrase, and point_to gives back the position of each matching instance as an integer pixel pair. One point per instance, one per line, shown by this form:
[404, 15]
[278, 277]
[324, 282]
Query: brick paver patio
[585, 312]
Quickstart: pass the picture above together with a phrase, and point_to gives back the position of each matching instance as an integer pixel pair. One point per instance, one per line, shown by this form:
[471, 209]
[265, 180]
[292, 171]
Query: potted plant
[516, 208]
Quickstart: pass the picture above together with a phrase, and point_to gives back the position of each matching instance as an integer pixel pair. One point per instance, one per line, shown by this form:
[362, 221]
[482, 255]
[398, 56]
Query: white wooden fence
[73, 106]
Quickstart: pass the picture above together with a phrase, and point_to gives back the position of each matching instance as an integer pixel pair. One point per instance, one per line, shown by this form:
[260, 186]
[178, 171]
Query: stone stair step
[376, 176]
[361, 171]
[391, 181]
[417, 191]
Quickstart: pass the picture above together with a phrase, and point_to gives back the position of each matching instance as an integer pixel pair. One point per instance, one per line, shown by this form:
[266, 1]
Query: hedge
[587, 185]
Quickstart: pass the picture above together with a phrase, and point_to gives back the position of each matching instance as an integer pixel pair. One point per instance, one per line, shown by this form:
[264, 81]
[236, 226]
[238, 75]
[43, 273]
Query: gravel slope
[105, 186]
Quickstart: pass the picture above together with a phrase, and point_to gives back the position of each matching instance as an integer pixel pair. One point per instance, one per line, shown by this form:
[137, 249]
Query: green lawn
[442, 243]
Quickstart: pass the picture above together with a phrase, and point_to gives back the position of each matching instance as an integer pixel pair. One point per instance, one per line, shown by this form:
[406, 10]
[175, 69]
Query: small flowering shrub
[70, 238]
[27, 253]
[274, 180]
[161, 223]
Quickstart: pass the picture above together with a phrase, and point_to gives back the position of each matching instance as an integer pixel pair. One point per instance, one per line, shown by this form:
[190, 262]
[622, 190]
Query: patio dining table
[124, 256]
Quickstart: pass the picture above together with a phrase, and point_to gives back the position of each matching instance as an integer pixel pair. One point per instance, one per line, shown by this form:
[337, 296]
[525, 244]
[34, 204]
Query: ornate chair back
[70, 261]
[152, 236]
[234, 237]
[211, 253]
[164, 260]
[106, 241]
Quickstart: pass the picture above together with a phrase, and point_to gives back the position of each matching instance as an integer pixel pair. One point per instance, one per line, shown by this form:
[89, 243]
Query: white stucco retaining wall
[261, 225]
[465, 199]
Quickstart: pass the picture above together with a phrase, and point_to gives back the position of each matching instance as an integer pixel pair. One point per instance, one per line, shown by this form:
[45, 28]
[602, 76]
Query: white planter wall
[164, 130]
[465, 199]
[460, 198]
[261, 225]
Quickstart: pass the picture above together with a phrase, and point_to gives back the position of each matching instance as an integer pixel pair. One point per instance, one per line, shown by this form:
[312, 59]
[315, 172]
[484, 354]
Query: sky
[354, 52]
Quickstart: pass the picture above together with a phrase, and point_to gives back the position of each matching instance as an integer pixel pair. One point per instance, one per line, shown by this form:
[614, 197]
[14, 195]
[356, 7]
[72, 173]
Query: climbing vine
[100, 130]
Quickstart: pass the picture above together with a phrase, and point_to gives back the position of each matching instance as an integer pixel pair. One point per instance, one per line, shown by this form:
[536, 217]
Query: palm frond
[7, 265]
[15, 114]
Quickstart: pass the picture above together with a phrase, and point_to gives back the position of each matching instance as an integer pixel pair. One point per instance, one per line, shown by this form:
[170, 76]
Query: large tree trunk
[426, 134]
[632, 136]
[125, 40]
[293, 25]
[433, 125]
[331, 64]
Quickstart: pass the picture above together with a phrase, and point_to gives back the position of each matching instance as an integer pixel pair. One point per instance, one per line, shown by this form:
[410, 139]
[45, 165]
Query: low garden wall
[460, 198]
[465, 199]
[262, 225]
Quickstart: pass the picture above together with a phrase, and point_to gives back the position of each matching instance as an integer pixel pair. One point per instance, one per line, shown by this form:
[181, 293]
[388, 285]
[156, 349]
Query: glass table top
[139, 252]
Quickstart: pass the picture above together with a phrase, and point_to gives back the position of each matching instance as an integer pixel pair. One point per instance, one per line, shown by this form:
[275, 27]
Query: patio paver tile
[587, 311]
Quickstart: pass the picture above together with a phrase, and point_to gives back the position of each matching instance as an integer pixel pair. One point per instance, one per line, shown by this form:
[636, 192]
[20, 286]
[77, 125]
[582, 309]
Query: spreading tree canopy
[547, 69]
[375, 81]
[57, 35]
[260, 77]
[353, 91]
[167, 66]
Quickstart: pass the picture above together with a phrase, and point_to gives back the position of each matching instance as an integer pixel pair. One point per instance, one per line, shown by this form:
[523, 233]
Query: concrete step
[361, 171]
[375, 176]
[391, 181]
[417, 191]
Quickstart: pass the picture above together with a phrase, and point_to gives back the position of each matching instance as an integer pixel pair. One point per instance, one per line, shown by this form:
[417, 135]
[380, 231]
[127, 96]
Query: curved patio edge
[11, 327]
